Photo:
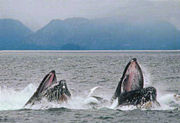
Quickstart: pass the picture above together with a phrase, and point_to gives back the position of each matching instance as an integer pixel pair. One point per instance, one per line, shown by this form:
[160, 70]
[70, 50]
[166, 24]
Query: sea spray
[11, 99]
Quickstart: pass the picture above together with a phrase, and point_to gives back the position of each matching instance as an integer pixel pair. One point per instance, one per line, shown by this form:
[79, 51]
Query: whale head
[58, 92]
[49, 80]
[132, 78]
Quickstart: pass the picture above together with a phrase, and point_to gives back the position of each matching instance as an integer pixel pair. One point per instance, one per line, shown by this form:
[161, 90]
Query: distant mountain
[60, 34]
[97, 34]
[13, 34]
[106, 34]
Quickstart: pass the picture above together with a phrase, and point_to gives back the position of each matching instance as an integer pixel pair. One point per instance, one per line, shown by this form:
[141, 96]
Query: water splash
[75, 102]
[11, 99]
[147, 77]
[92, 90]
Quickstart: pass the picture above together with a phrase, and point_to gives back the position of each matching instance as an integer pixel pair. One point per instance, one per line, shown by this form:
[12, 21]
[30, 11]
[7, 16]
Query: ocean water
[87, 73]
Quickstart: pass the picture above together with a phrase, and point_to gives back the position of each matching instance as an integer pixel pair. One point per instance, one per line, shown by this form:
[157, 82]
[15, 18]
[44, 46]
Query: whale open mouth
[132, 78]
[48, 80]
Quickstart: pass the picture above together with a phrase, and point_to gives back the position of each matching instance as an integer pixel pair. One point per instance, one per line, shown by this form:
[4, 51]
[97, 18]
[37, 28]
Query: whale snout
[134, 59]
[151, 93]
[63, 88]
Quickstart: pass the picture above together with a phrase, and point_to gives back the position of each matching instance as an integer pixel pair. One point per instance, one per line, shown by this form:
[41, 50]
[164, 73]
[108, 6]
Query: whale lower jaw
[52, 94]
[56, 95]
[138, 97]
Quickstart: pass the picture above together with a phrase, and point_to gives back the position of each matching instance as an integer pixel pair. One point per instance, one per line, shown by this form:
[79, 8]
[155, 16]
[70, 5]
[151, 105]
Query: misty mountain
[13, 34]
[106, 34]
[96, 34]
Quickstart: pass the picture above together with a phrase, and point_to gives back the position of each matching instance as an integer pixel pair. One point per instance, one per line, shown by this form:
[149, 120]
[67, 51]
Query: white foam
[114, 104]
[11, 99]
[147, 77]
[92, 91]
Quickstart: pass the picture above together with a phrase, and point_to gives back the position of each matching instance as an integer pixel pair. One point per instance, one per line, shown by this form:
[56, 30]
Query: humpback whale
[51, 89]
[130, 89]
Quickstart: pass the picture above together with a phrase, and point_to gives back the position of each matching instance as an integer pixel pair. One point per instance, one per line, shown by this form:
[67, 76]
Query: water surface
[22, 71]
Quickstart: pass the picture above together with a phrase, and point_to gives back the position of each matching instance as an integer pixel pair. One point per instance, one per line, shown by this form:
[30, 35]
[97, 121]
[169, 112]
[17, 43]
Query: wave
[11, 99]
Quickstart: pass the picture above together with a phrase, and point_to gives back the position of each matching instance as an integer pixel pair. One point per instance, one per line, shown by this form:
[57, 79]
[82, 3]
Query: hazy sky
[37, 13]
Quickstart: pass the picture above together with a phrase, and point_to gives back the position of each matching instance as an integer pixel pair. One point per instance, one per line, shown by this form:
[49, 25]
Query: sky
[37, 13]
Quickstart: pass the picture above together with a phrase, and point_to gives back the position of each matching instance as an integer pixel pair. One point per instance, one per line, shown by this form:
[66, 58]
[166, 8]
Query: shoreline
[87, 51]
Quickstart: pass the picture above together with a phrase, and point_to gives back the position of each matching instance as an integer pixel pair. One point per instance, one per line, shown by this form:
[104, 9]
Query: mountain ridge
[85, 34]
